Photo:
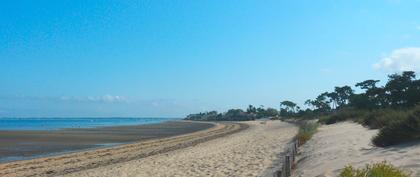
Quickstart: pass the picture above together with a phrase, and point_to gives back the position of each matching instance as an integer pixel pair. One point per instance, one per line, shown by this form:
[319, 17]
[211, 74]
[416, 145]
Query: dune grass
[306, 131]
[396, 125]
[382, 169]
[408, 129]
[374, 119]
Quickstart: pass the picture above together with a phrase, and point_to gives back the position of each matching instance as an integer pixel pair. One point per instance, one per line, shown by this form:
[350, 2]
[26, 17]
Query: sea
[29, 148]
[64, 123]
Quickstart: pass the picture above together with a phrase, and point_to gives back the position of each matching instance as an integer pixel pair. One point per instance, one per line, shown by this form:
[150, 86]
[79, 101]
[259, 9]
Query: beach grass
[374, 119]
[405, 130]
[382, 169]
[306, 131]
[395, 125]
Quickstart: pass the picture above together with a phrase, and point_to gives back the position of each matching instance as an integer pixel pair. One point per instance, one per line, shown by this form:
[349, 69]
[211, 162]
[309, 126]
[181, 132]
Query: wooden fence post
[287, 165]
[278, 174]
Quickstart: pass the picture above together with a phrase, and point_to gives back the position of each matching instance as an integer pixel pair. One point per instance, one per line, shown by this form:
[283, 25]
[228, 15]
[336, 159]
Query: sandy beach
[79, 161]
[335, 146]
[246, 153]
[226, 149]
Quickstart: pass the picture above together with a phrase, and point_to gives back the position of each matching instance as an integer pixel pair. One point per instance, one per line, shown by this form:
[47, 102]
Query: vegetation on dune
[374, 119]
[382, 169]
[306, 131]
[390, 108]
[407, 129]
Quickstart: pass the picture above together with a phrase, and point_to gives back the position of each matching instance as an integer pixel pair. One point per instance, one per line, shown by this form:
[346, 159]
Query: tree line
[251, 113]
[402, 90]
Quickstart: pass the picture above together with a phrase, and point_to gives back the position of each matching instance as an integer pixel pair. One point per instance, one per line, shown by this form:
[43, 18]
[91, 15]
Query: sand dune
[335, 146]
[247, 153]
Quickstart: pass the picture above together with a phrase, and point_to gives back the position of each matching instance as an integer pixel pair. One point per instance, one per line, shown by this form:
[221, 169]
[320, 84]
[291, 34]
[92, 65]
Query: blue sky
[75, 58]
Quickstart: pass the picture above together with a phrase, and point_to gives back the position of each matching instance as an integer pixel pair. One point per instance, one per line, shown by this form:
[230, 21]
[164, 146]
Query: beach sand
[90, 159]
[247, 153]
[335, 146]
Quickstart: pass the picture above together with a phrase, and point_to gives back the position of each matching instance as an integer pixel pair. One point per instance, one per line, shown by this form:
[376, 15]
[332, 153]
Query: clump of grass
[382, 169]
[306, 131]
[407, 129]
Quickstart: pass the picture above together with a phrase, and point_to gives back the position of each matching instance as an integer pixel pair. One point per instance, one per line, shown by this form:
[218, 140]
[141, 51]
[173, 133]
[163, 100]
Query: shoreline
[80, 161]
[246, 153]
[16, 145]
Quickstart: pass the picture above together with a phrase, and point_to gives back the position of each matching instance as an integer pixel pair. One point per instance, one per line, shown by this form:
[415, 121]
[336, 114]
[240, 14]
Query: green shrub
[343, 115]
[380, 118]
[397, 132]
[374, 119]
[306, 131]
[382, 169]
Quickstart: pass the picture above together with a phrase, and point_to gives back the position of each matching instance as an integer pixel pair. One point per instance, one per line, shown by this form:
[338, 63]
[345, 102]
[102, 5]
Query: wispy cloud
[104, 99]
[404, 59]
[93, 99]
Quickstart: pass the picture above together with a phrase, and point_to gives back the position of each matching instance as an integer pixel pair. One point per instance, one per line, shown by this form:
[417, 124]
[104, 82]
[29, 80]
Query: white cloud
[404, 59]
[105, 99]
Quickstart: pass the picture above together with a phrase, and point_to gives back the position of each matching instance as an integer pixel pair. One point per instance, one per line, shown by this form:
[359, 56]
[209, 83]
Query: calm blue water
[60, 123]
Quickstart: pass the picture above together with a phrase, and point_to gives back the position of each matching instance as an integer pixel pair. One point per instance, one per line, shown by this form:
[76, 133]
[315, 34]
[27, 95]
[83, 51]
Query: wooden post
[294, 151]
[278, 174]
[287, 165]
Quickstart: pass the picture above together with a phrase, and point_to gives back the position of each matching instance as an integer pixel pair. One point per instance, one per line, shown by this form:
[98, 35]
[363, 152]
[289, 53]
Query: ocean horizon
[11, 124]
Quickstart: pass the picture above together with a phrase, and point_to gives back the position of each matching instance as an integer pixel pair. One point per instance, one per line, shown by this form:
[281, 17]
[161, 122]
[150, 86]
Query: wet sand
[18, 145]
[70, 163]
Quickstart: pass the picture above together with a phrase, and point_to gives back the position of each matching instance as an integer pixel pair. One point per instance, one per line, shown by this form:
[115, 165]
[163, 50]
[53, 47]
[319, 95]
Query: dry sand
[335, 146]
[247, 153]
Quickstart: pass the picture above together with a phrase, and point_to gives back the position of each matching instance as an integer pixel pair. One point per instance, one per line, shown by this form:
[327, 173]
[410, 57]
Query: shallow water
[62, 123]
[28, 144]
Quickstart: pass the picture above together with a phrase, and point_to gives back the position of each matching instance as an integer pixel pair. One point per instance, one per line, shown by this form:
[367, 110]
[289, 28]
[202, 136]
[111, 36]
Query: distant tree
[322, 103]
[413, 93]
[372, 96]
[206, 116]
[289, 106]
[260, 111]
[251, 110]
[333, 99]
[271, 112]
[237, 115]
[310, 103]
[343, 95]
[397, 87]
[360, 101]
[367, 84]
